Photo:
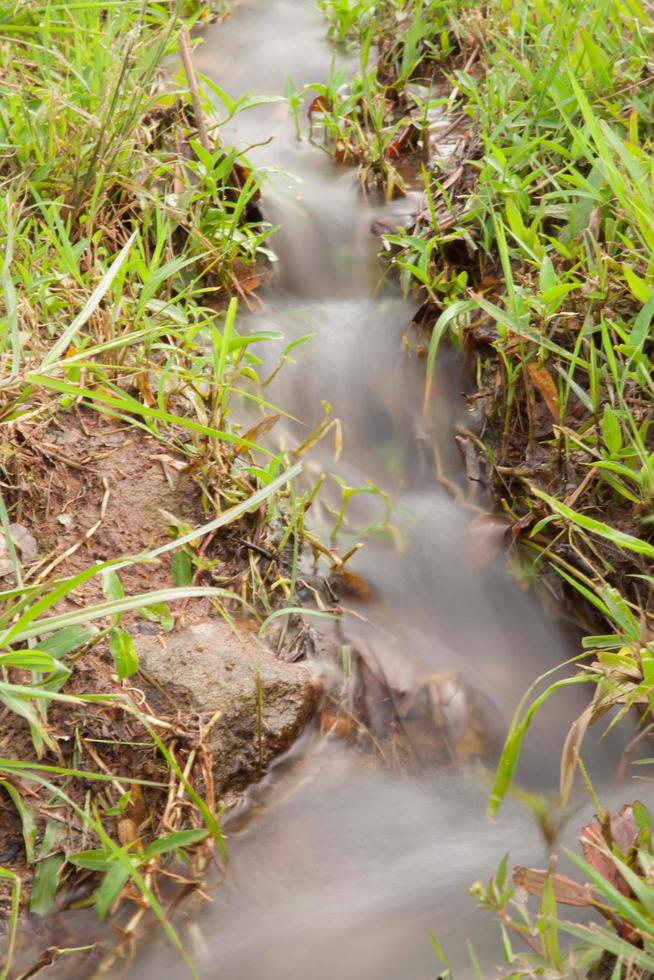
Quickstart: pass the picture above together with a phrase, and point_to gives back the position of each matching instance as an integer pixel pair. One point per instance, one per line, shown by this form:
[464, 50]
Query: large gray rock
[264, 703]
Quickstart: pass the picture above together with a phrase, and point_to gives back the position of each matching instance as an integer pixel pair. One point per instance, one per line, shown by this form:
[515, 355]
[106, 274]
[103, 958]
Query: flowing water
[342, 869]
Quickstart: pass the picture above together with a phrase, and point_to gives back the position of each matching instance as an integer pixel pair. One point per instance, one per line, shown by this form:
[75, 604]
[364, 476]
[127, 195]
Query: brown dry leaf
[546, 389]
[319, 104]
[395, 148]
[624, 829]
[350, 586]
[570, 753]
[144, 389]
[567, 891]
[128, 832]
[174, 464]
[596, 850]
[258, 430]
[23, 540]
[333, 723]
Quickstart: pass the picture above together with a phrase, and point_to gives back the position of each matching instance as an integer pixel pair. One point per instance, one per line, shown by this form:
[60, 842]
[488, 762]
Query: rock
[264, 703]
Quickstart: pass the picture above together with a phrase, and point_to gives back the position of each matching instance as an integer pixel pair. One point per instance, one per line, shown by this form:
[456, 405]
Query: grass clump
[126, 226]
[377, 115]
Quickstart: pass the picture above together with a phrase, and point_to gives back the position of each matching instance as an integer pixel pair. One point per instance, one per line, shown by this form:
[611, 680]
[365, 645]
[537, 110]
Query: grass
[129, 233]
[534, 253]
[378, 114]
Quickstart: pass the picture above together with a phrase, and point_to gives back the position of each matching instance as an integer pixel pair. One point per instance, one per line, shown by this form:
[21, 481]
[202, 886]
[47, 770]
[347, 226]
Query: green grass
[125, 235]
[373, 117]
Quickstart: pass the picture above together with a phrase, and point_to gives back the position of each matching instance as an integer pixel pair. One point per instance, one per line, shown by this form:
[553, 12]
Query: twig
[191, 78]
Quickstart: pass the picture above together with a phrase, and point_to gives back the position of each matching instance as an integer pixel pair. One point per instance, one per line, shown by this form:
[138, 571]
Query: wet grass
[126, 226]
[533, 252]
[377, 115]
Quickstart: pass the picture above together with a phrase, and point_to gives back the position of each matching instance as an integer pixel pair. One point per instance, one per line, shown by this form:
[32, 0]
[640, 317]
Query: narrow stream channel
[343, 869]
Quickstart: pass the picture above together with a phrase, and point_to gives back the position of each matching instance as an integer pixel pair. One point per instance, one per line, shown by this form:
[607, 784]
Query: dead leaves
[608, 845]
[546, 387]
[567, 891]
[23, 541]
[484, 540]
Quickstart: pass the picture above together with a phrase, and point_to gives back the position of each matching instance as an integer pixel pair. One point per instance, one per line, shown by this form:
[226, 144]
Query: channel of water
[342, 869]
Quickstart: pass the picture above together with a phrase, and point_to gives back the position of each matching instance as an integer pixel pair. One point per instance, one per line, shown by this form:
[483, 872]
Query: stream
[339, 868]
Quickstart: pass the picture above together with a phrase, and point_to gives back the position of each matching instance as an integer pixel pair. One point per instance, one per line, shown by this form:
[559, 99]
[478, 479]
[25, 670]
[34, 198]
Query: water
[342, 868]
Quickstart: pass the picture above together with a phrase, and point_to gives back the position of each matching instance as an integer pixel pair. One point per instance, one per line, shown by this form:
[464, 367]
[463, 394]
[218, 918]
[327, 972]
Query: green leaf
[46, 883]
[181, 568]
[548, 277]
[513, 745]
[603, 940]
[172, 842]
[96, 297]
[620, 538]
[158, 612]
[20, 704]
[66, 640]
[111, 886]
[93, 860]
[10, 876]
[619, 903]
[644, 823]
[611, 430]
[123, 651]
[33, 660]
[446, 319]
[641, 289]
[111, 585]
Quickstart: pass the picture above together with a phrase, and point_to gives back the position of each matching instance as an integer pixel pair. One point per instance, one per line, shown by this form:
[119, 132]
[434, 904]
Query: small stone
[264, 703]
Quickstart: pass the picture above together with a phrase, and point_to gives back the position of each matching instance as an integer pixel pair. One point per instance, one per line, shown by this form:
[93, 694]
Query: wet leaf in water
[319, 104]
[333, 723]
[350, 586]
[483, 539]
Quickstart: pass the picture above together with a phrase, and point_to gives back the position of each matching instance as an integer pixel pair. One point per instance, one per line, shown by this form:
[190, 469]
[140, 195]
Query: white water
[342, 870]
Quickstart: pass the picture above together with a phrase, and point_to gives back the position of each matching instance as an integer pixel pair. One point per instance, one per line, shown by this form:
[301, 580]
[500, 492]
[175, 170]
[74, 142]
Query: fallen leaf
[395, 148]
[332, 723]
[174, 464]
[348, 585]
[483, 539]
[319, 104]
[567, 891]
[24, 541]
[546, 388]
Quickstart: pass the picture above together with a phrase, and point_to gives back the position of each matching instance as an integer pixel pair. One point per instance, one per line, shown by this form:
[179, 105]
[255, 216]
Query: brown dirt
[67, 471]
[91, 489]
